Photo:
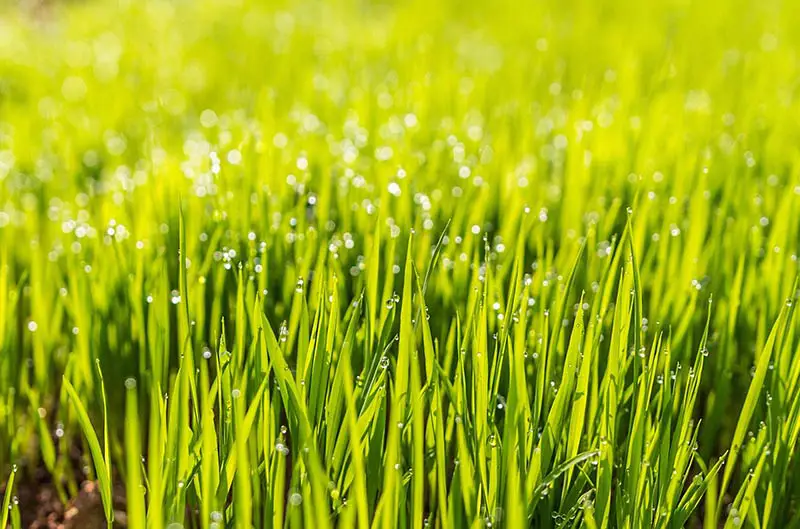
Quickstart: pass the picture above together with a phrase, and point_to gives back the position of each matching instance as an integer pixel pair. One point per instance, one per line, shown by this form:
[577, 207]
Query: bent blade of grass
[96, 451]
[7, 497]
[106, 446]
[694, 494]
[748, 408]
[560, 469]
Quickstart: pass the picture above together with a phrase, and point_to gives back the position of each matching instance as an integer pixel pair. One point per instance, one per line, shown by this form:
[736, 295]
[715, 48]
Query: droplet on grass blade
[296, 499]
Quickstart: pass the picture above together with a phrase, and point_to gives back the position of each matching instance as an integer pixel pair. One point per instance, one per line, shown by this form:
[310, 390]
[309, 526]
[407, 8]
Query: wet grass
[434, 264]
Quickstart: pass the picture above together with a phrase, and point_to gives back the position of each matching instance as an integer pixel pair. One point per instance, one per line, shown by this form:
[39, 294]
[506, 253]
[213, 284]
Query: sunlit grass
[445, 264]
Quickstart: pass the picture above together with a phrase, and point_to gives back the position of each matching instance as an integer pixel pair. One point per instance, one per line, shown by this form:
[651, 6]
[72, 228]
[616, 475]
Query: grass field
[400, 265]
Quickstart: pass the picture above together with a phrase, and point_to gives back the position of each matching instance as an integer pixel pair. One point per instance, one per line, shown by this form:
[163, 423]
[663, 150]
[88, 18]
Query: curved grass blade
[96, 451]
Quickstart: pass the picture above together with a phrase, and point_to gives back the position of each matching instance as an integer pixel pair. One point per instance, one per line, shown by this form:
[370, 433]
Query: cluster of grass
[426, 264]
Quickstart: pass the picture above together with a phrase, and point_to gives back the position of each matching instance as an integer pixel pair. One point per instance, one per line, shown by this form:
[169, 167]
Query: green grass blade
[96, 451]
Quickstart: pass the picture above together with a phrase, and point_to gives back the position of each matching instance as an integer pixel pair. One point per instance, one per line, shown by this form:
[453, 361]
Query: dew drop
[296, 499]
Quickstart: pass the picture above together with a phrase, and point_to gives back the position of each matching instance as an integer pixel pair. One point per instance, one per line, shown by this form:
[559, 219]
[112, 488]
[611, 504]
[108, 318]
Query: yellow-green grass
[418, 264]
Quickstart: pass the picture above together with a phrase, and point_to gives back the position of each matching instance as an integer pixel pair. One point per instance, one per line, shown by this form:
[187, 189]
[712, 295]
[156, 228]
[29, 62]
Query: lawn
[387, 265]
